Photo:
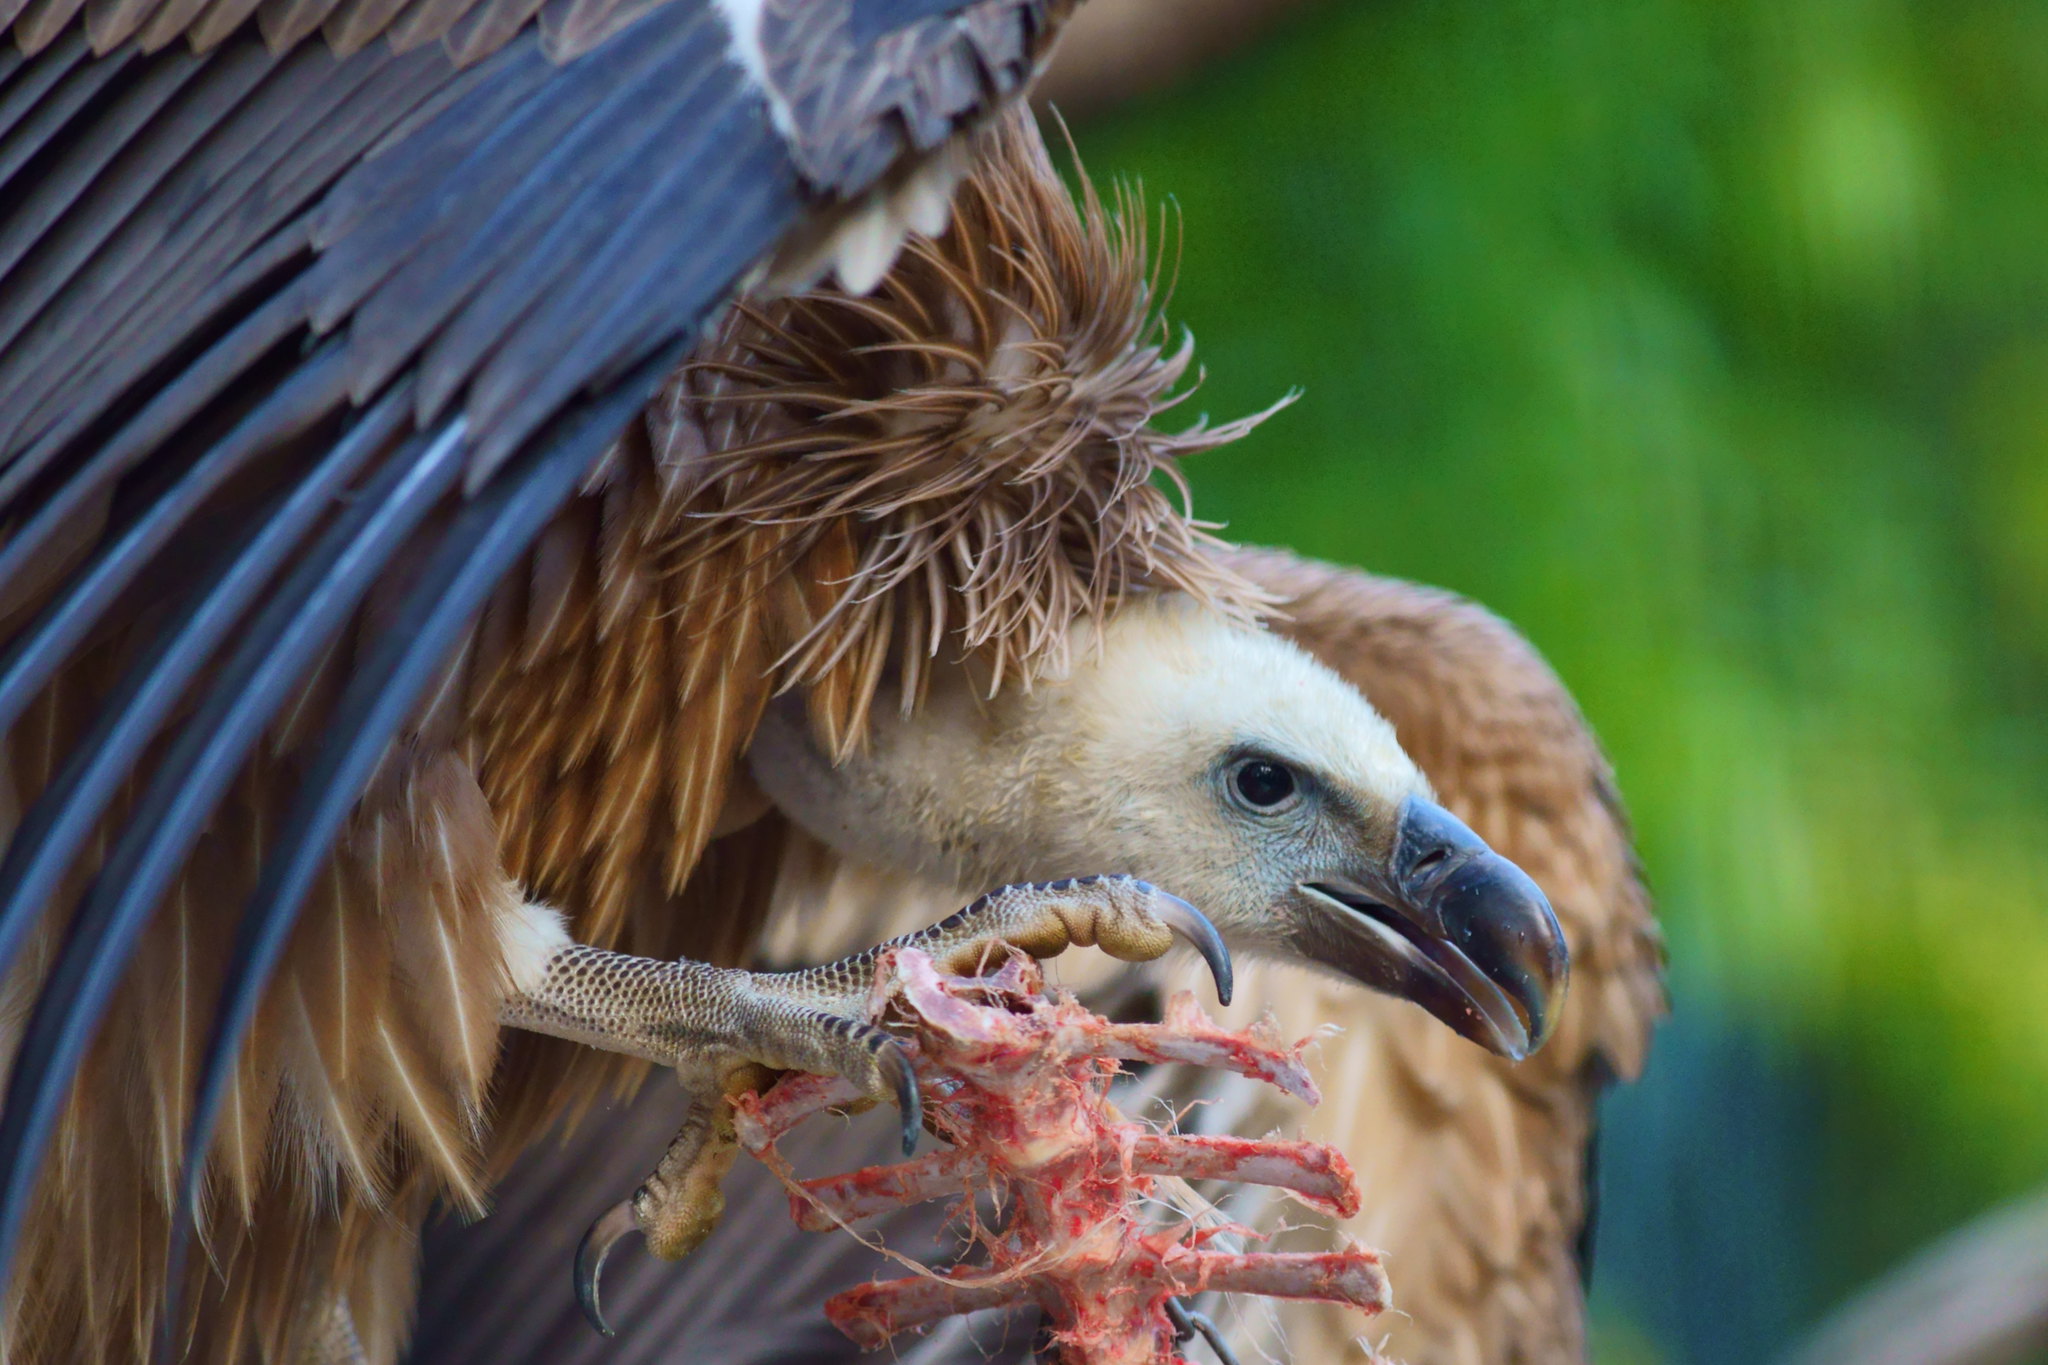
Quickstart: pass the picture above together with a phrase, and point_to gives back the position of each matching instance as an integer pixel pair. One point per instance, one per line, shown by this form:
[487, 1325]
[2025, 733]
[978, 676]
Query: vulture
[520, 519]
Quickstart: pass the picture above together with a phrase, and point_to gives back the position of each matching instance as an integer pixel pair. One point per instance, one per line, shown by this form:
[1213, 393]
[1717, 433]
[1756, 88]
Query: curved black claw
[896, 1069]
[597, 1244]
[1194, 926]
[1187, 1323]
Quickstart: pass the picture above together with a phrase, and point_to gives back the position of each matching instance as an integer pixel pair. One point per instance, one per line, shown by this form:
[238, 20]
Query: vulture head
[1220, 763]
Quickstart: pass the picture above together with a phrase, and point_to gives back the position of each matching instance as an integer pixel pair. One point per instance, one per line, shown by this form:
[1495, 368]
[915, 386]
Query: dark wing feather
[160, 228]
[140, 104]
[228, 360]
[494, 311]
[874, 20]
[489, 534]
[210, 752]
[398, 319]
[22, 82]
[614, 121]
[487, 27]
[588, 323]
[43, 647]
[170, 407]
[63, 816]
[425, 21]
[55, 110]
[302, 614]
[166, 22]
[284, 22]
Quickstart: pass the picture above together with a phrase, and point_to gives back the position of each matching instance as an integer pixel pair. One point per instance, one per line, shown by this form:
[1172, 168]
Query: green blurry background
[1706, 340]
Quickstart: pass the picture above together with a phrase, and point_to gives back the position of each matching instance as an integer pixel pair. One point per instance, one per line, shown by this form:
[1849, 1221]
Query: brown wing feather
[358, 1098]
[1475, 1168]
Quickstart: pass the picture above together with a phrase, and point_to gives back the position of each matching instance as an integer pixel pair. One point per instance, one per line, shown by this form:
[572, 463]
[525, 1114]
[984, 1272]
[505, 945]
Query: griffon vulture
[428, 606]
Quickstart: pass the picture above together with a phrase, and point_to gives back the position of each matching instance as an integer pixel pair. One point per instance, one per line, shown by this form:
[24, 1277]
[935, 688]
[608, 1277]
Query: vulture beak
[1452, 926]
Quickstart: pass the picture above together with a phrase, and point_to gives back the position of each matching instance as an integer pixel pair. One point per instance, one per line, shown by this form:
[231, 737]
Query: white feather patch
[867, 245]
[528, 936]
[743, 17]
[928, 198]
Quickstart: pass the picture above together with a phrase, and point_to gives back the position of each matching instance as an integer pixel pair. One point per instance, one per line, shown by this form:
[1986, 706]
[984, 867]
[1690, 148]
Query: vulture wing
[305, 342]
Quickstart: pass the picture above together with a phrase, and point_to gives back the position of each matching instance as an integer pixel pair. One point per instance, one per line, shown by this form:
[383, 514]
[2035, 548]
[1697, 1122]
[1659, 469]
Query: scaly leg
[722, 1029]
[334, 1341]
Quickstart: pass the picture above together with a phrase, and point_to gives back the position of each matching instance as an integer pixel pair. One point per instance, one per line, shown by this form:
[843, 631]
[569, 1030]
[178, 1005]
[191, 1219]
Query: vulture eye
[1263, 785]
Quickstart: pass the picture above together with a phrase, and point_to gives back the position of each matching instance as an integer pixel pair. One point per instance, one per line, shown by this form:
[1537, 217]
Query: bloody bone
[1018, 1082]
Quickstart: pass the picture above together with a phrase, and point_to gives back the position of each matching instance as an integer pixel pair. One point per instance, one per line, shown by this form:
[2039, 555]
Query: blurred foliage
[1707, 340]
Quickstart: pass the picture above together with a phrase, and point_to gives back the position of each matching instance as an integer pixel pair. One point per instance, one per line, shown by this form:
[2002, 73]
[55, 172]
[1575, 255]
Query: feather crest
[965, 456]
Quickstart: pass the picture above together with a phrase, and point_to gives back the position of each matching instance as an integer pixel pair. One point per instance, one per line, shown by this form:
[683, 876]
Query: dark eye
[1263, 784]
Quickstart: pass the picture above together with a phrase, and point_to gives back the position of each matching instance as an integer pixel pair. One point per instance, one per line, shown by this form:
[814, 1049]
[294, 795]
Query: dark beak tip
[1538, 976]
[1499, 920]
[1483, 950]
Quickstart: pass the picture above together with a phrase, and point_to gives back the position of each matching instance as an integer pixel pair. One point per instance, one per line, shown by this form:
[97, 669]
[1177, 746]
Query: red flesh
[1018, 1081]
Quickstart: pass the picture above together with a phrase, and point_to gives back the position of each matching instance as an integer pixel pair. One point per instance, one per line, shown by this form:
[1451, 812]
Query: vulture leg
[723, 1029]
[336, 1342]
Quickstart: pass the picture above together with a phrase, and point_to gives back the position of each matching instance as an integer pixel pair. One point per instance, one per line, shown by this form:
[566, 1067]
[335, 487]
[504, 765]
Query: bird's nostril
[1429, 860]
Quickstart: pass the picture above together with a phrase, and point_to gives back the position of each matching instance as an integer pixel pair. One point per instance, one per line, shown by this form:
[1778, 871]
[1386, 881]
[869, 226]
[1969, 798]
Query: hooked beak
[1452, 926]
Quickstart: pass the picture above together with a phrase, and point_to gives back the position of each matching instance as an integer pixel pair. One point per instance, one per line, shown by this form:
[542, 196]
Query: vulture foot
[726, 1031]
